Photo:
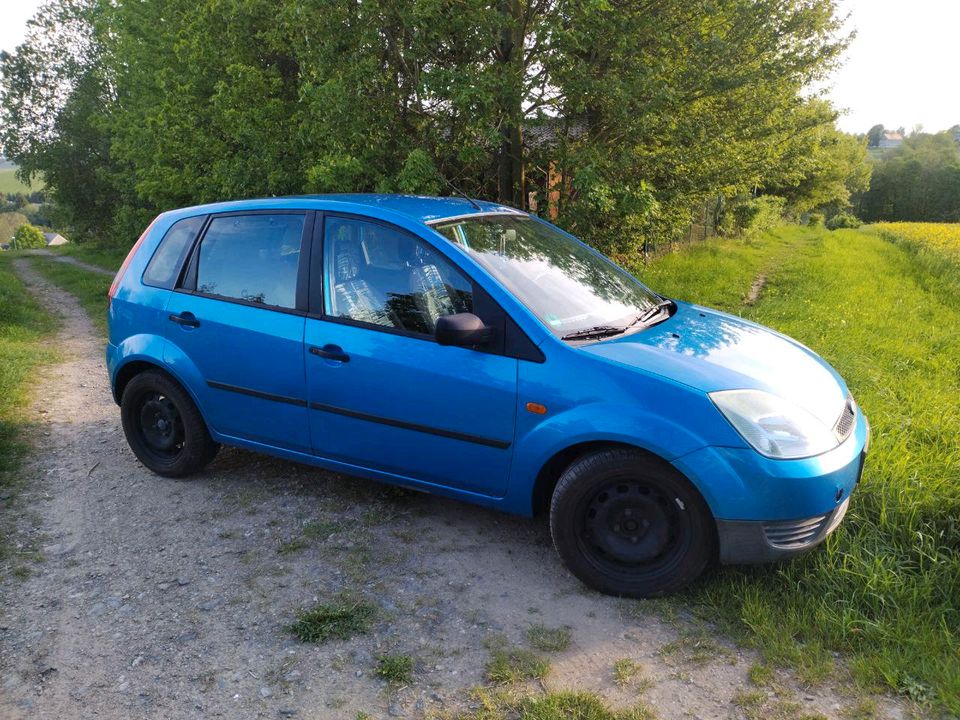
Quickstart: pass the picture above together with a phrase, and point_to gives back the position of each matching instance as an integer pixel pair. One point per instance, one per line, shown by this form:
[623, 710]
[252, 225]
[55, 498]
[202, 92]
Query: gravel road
[159, 598]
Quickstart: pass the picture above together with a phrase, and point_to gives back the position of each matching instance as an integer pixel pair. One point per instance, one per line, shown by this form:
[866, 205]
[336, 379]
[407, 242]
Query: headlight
[774, 427]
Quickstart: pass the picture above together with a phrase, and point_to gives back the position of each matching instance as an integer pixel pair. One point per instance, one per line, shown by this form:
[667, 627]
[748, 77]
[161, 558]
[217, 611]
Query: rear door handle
[186, 319]
[330, 352]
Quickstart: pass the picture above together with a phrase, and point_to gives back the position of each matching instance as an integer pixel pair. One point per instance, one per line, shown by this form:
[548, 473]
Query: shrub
[753, 215]
[815, 220]
[843, 220]
[27, 236]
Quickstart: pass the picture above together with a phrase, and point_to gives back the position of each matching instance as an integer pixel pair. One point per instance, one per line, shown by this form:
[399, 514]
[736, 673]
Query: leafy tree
[27, 237]
[917, 181]
[639, 111]
[874, 135]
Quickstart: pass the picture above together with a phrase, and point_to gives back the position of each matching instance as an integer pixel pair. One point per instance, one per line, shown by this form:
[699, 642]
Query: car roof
[416, 207]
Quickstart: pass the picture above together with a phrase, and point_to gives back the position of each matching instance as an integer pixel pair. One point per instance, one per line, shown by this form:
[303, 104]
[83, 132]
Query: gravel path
[170, 599]
[69, 260]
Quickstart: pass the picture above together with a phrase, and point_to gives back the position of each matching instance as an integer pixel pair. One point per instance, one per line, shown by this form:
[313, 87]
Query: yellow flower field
[942, 237]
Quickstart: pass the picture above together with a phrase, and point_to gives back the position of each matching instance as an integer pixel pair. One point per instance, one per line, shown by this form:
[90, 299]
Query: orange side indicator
[536, 408]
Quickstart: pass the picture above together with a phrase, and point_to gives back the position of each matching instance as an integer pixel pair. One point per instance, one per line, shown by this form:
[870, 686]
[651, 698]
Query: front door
[236, 318]
[383, 394]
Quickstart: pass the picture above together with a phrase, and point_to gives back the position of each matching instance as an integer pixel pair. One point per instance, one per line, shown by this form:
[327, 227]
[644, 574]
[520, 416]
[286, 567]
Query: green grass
[23, 326]
[493, 705]
[10, 184]
[548, 639]
[395, 669]
[510, 665]
[338, 620]
[108, 257]
[885, 588]
[88, 287]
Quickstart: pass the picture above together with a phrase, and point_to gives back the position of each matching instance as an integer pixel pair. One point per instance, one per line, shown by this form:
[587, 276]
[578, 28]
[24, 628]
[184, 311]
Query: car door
[383, 394]
[238, 316]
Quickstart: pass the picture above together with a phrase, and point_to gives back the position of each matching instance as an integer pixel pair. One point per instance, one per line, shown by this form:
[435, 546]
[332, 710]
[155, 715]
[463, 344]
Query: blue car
[470, 349]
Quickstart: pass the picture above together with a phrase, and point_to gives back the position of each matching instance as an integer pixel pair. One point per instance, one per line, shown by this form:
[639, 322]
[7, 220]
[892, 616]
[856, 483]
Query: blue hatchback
[473, 350]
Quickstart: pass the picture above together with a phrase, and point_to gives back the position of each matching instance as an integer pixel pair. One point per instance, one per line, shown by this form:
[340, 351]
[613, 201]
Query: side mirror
[462, 330]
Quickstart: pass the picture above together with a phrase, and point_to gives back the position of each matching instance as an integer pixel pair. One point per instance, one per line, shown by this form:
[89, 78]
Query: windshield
[564, 283]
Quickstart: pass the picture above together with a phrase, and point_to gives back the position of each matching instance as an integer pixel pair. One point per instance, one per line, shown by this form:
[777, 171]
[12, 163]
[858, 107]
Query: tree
[874, 135]
[917, 181]
[638, 111]
[27, 237]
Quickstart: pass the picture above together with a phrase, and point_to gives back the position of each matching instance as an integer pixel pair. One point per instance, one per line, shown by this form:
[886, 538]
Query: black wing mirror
[462, 330]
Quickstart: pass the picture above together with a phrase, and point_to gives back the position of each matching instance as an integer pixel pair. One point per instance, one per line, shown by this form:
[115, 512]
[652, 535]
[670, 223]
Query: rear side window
[254, 258]
[163, 267]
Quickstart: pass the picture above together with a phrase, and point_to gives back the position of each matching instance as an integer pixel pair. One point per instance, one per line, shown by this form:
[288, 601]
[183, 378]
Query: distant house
[55, 239]
[890, 140]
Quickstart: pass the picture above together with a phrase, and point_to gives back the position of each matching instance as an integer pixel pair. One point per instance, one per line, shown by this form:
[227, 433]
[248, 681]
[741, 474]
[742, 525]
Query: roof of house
[418, 207]
[892, 136]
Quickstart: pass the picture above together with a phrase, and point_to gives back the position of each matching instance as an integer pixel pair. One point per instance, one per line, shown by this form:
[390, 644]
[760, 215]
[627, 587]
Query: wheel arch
[549, 474]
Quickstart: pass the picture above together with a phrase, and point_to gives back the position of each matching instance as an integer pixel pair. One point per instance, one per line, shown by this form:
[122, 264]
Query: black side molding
[257, 393]
[465, 437]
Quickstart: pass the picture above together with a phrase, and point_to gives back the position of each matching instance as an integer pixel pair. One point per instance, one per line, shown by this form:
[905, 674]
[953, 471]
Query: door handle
[186, 319]
[330, 352]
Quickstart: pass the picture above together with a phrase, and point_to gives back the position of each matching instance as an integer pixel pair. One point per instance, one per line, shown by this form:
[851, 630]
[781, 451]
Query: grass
[493, 705]
[885, 588]
[548, 639]
[108, 257]
[89, 288]
[509, 665]
[395, 669]
[23, 326]
[338, 620]
[10, 184]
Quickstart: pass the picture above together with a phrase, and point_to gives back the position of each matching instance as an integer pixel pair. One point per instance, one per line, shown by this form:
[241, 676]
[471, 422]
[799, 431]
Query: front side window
[382, 276]
[254, 258]
[564, 283]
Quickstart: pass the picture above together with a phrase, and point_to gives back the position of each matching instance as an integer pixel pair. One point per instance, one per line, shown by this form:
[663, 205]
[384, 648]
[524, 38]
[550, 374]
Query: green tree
[643, 110]
[27, 237]
[917, 181]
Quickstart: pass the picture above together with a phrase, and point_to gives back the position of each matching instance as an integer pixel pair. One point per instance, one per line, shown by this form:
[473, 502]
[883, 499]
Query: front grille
[793, 534]
[847, 421]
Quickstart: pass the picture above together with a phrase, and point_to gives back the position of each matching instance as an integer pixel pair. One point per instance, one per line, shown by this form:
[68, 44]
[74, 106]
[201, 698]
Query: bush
[843, 220]
[815, 220]
[27, 237]
[753, 215]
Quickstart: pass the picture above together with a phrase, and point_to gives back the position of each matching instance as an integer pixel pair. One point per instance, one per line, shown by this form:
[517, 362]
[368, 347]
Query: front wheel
[163, 427]
[628, 524]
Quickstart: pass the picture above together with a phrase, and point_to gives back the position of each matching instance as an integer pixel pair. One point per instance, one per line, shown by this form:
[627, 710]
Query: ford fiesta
[476, 351]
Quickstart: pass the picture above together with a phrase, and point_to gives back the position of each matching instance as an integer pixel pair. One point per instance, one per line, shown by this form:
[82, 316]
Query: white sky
[902, 69]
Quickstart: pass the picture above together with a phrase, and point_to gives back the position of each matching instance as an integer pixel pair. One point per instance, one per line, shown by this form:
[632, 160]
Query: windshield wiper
[652, 312]
[595, 332]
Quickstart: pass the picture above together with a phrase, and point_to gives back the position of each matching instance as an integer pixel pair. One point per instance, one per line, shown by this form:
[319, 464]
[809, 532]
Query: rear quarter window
[165, 264]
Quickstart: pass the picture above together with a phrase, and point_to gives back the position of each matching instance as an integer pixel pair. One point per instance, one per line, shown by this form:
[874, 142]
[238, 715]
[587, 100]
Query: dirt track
[170, 599]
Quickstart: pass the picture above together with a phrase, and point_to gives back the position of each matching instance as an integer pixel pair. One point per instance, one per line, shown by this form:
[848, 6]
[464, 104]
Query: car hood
[711, 351]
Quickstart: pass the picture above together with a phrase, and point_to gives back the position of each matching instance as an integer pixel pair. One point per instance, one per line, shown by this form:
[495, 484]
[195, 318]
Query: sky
[901, 70]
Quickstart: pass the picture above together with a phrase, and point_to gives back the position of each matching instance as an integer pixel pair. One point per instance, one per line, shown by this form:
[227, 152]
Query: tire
[628, 524]
[163, 426]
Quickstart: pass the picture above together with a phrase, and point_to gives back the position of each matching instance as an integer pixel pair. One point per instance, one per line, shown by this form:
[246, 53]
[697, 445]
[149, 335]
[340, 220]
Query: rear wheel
[163, 427]
[628, 524]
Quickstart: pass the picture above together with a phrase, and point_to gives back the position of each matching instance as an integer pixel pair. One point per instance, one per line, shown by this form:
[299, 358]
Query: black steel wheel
[163, 426]
[629, 524]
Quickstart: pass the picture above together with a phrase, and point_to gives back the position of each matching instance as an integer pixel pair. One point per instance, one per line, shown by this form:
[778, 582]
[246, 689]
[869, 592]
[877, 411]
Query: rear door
[238, 315]
[383, 394]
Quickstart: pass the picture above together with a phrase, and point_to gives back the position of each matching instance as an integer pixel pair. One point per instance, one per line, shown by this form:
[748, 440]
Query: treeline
[917, 181]
[615, 118]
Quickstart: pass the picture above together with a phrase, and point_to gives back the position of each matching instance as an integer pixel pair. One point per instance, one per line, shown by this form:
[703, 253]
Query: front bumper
[767, 509]
[743, 542]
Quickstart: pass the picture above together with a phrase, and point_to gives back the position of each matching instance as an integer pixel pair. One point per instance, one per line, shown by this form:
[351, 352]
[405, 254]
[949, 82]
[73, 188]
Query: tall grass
[885, 589]
[23, 324]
